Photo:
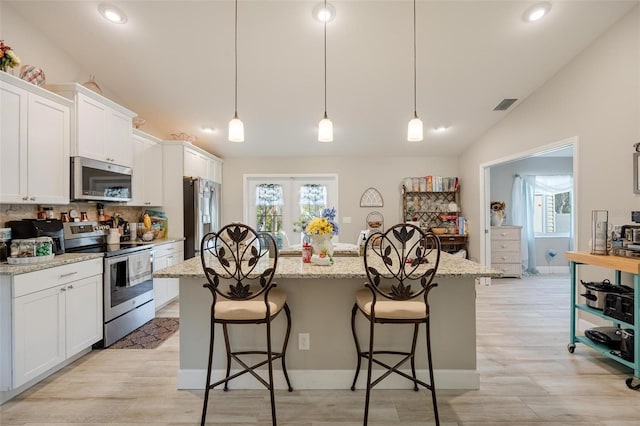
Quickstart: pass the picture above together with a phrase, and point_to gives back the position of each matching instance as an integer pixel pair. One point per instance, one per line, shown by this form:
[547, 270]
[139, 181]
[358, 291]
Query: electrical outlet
[346, 219]
[304, 341]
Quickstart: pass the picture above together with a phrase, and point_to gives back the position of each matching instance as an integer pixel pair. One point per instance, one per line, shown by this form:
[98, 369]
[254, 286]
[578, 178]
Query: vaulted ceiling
[173, 63]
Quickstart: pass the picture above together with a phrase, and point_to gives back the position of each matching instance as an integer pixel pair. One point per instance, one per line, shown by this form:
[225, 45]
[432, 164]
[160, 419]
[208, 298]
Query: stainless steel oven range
[127, 280]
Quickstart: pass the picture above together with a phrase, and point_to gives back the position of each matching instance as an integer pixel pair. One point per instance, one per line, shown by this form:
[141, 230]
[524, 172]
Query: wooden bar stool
[400, 265]
[239, 275]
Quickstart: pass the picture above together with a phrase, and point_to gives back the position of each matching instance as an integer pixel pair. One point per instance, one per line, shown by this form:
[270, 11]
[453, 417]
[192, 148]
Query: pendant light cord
[325, 58]
[236, 61]
[415, 108]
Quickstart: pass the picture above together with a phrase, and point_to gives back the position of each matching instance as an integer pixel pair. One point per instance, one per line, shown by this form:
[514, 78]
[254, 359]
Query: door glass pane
[269, 204]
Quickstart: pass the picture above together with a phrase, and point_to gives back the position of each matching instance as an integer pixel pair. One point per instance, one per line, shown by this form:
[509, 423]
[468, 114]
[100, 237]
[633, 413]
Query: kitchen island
[321, 299]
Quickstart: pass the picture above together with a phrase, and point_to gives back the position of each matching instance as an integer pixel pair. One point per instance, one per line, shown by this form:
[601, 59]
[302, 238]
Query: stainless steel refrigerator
[201, 212]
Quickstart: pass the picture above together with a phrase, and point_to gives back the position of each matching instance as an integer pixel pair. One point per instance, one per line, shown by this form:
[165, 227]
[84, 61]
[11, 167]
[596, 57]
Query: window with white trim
[274, 202]
[552, 205]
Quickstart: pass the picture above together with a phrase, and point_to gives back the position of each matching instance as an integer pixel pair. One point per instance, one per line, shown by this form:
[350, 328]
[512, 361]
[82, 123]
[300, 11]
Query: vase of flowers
[497, 212]
[8, 59]
[320, 230]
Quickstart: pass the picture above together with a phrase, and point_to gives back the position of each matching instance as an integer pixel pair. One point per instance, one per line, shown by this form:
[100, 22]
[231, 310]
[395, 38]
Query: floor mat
[148, 336]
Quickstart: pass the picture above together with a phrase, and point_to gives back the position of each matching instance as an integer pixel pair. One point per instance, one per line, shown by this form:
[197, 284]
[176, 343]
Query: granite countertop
[58, 260]
[63, 259]
[343, 267]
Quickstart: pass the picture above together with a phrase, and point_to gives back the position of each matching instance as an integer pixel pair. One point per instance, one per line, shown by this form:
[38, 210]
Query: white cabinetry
[195, 164]
[192, 159]
[166, 289]
[35, 136]
[505, 250]
[147, 170]
[56, 313]
[103, 129]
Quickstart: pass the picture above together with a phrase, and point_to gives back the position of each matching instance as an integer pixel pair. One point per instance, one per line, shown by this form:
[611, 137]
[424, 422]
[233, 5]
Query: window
[274, 202]
[552, 205]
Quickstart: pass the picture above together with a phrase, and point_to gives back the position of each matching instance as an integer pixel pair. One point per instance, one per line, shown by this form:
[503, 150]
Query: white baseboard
[553, 269]
[332, 379]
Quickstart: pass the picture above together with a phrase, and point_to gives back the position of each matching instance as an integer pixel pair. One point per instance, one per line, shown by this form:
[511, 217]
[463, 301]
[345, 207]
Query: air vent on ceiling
[504, 104]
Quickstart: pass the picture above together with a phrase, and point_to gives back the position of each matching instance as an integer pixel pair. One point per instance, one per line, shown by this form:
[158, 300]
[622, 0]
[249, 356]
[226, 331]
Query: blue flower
[330, 215]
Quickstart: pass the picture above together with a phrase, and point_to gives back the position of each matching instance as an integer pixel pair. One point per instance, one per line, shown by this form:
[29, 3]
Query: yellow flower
[319, 226]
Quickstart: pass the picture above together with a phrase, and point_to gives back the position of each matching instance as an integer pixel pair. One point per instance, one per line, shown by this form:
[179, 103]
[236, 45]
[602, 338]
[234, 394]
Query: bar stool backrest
[402, 262]
[238, 262]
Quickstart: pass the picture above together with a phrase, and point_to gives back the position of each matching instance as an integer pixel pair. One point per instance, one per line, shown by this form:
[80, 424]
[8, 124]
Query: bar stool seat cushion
[254, 309]
[391, 309]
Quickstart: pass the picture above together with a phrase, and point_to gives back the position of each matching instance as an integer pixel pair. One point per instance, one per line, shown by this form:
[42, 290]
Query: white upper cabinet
[34, 144]
[195, 163]
[103, 129]
[147, 170]
[199, 164]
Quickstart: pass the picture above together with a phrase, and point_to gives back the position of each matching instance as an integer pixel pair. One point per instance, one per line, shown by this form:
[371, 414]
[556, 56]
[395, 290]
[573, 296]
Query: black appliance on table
[127, 278]
[33, 228]
[597, 292]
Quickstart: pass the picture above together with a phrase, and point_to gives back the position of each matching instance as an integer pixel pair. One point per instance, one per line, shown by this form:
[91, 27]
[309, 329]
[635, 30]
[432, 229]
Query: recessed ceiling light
[441, 129]
[112, 14]
[209, 130]
[537, 11]
[322, 14]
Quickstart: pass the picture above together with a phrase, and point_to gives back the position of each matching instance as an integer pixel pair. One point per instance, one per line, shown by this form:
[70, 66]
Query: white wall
[354, 177]
[596, 97]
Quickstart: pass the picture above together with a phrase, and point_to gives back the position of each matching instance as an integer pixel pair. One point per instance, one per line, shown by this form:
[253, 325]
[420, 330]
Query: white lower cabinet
[57, 313]
[166, 290]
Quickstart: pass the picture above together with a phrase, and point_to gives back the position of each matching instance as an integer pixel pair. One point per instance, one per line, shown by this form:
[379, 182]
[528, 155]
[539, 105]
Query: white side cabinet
[147, 170]
[505, 250]
[103, 129]
[35, 136]
[55, 314]
[167, 289]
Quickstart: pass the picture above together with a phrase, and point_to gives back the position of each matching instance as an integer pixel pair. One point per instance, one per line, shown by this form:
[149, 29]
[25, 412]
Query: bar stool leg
[227, 345]
[433, 386]
[413, 356]
[354, 311]
[209, 368]
[284, 346]
[369, 371]
[270, 364]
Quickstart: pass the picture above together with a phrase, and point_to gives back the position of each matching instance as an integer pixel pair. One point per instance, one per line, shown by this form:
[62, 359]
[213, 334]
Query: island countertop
[343, 267]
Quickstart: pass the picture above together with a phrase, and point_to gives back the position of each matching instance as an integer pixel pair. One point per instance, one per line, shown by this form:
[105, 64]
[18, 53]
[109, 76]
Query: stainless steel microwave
[93, 180]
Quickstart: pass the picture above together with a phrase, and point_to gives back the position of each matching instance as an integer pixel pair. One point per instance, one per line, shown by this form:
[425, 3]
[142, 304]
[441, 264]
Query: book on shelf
[432, 184]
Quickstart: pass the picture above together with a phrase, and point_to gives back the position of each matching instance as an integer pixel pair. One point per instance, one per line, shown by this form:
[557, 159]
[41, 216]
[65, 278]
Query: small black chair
[400, 265]
[239, 272]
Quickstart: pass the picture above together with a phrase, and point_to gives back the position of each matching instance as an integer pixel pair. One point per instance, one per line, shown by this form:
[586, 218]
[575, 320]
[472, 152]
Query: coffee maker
[32, 228]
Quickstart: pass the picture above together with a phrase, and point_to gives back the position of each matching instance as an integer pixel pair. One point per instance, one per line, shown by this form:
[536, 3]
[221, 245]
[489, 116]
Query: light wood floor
[527, 378]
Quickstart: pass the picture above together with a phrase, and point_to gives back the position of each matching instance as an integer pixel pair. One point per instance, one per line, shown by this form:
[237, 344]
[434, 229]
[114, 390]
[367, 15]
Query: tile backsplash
[25, 211]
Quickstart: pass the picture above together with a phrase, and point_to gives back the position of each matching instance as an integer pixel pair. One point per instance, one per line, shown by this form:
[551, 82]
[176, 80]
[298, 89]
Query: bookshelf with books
[434, 202]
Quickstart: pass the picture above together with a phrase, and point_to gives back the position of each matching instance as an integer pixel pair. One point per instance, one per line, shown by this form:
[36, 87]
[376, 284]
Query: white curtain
[521, 211]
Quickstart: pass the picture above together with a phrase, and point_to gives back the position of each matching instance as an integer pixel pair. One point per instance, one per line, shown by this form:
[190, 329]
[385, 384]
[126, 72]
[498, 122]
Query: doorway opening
[538, 188]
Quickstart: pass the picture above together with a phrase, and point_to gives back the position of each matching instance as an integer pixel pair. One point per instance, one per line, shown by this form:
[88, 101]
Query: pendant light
[325, 128]
[236, 128]
[414, 129]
